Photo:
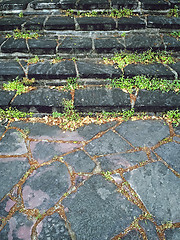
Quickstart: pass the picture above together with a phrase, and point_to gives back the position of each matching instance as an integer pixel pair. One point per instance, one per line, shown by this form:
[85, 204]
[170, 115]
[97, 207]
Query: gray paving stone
[80, 161]
[10, 69]
[90, 130]
[96, 23]
[128, 23]
[67, 4]
[150, 230]
[44, 4]
[119, 4]
[153, 5]
[46, 186]
[2, 39]
[150, 70]
[143, 133]
[177, 130]
[171, 43]
[13, 45]
[158, 188]
[5, 97]
[54, 228]
[75, 45]
[45, 70]
[109, 143]
[97, 211]
[11, 5]
[157, 99]
[35, 23]
[93, 4]
[41, 97]
[107, 45]
[133, 235]
[11, 170]
[11, 23]
[163, 22]
[170, 152]
[60, 23]
[123, 160]
[174, 3]
[172, 234]
[12, 143]
[101, 97]
[5, 206]
[42, 46]
[176, 67]
[2, 129]
[89, 69]
[150, 41]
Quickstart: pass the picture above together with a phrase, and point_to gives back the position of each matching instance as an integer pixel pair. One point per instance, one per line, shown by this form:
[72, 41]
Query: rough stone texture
[67, 4]
[96, 23]
[165, 151]
[44, 4]
[35, 23]
[5, 97]
[132, 235]
[172, 234]
[150, 229]
[89, 212]
[123, 160]
[109, 143]
[54, 228]
[101, 97]
[119, 4]
[7, 23]
[92, 70]
[153, 5]
[171, 43]
[150, 70]
[143, 133]
[47, 184]
[12, 45]
[128, 23]
[107, 45]
[60, 23]
[18, 166]
[163, 22]
[74, 45]
[93, 4]
[10, 69]
[42, 46]
[153, 183]
[176, 67]
[45, 70]
[14, 5]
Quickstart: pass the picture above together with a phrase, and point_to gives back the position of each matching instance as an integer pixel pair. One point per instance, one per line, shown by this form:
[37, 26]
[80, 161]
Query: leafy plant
[174, 12]
[71, 83]
[18, 34]
[175, 34]
[21, 15]
[33, 60]
[13, 113]
[107, 175]
[118, 13]
[174, 116]
[15, 85]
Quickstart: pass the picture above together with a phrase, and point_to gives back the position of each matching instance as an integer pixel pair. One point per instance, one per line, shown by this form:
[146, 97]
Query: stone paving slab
[109, 181]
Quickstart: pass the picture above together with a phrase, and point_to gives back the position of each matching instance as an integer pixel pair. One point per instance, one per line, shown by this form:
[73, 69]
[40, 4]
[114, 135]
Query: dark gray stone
[60, 23]
[93, 4]
[158, 188]
[12, 143]
[128, 23]
[170, 152]
[14, 5]
[45, 70]
[150, 41]
[124, 160]
[97, 211]
[14, 45]
[172, 234]
[96, 23]
[109, 143]
[150, 229]
[119, 4]
[35, 23]
[44, 4]
[176, 67]
[94, 70]
[150, 70]
[11, 23]
[171, 43]
[2, 129]
[163, 22]
[101, 97]
[5, 97]
[2, 39]
[9, 70]
[41, 97]
[42, 46]
[143, 133]
[133, 235]
[46, 186]
[75, 45]
[11, 171]
[107, 45]
[154, 5]
[90, 130]
[80, 161]
[174, 3]
[157, 98]
[54, 228]
[67, 4]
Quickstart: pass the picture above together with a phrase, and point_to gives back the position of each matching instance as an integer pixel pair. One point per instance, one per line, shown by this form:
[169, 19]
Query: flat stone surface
[172, 234]
[42, 46]
[45, 70]
[133, 235]
[46, 186]
[35, 23]
[13, 45]
[171, 43]
[163, 22]
[128, 23]
[17, 166]
[10, 23]
[153, 5]
[109, 143]
[143, 133]
[10, 69]
[14, 5]
[153, 183]
[60, 23]
[170, 153]
[149, 229]
[151, 70]
[108, 45]
[118, 4]
[44, 4]
[176, 67]
[89, 212]
[67, 4]
[93, 4]
[5, 97]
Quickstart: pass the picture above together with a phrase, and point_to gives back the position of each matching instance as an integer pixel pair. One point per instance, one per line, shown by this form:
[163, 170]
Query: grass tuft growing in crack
[10, 113]
[18, 34]
[173, 116]
[174, 12]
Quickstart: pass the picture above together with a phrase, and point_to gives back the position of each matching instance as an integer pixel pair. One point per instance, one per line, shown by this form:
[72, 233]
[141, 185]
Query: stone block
[176, 67]
[154, 5]
[14, 45]
[107, 45]
[44, 4]
[119, 4]
[93, 4]
[9, 70]
[14, 5]
[5, 97]
[163, 22]
[11, 23]
[129, 23]
[35, 23]
[96, 23]
[67, 4]
[171, 43]
[60, 23]
[42, 46]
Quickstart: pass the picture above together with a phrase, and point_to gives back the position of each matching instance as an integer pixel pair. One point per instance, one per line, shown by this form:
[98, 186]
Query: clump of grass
[174, 116]
[10, 113]
[18, 34]
[174, 12]
[175, 34]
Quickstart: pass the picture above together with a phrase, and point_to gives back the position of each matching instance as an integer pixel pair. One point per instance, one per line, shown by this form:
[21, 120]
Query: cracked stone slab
[159, 190]
[163, 22]
[97, 211]
[35, 23]
[9, 70]
[176, 67]
[170, 152]
[42, 46]
[5, 97]
[14, 5]
[133, 235]
[107, 45]
[149, 229]
[109, 143]
[60, 23]
[171, 43]
[46, 186]
[143, 133]
[11, 23]
[172, 234]
[11, 170]
[14, 45]
[128, 23]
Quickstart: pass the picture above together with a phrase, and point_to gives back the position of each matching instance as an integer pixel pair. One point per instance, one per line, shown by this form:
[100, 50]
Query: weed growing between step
[174, 12]
[175, 34]
[10, 113]
[18, 34]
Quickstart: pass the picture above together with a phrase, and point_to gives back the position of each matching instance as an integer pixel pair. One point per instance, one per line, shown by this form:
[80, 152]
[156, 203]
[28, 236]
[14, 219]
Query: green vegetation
[33, 60]
[125, 58]
[174, 12]
[174, 116]
[143, 82]
[107, 175]
[175, 34]
[21, 15]
[13, 113]
[18, 34]
[71, 83]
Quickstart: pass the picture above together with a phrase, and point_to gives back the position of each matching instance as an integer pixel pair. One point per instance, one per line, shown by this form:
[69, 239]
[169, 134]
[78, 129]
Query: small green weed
[71, 83]
[18, 34]
[175, 34]
[174, 116]
[16, 85]
[107, 175]
[127, 114]
[174, 12]
[33, 60]
[13, 113]
[21, 15]
[115, 13]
